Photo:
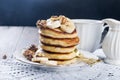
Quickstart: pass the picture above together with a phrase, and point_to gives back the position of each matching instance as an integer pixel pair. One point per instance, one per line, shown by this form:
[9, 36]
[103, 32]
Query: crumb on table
[4, 57]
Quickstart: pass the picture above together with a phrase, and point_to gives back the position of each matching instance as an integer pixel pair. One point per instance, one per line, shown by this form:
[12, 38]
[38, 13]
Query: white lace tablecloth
[11, 69]
[14, 70]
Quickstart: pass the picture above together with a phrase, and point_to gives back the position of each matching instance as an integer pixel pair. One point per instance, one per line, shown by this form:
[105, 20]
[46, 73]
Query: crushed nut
[33, 48]
[55, 18]
[4, 57]
[63, 19]
[29, 54]
[41, 23]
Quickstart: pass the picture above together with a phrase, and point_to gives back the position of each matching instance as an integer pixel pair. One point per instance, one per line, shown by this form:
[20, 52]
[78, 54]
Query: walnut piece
[4, 57]
[55, 18]
[33, 48]
[63, 19]
[41, 23]
[29, 54]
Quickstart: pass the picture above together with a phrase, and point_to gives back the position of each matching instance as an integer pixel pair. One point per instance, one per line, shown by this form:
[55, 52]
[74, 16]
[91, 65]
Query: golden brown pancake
[66, 62]
[57, 56]
[59, 42]
[57, 33]
[58, 49]
[54, 33]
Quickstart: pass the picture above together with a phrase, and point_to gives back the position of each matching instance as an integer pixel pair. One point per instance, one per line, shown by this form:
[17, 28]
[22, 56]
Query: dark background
[27, 12]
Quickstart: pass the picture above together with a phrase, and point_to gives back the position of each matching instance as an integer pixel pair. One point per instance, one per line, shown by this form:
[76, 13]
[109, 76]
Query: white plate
[20, 57]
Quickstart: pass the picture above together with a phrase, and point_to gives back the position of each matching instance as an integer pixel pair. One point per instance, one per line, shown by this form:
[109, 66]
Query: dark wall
[27, 12]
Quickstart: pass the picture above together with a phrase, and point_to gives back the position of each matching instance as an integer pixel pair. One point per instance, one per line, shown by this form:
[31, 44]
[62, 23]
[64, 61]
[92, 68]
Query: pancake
[58, 49]
[57, 33]
[59, 42]
[57, 56]
[59, 38]
[66, 62]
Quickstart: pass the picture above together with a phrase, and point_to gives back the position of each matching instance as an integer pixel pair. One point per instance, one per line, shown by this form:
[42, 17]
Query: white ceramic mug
[89, 32]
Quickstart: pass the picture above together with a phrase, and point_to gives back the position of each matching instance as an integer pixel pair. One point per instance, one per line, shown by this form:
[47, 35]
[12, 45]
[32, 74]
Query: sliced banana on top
[53, 24]
[68, 27]
[63, 22]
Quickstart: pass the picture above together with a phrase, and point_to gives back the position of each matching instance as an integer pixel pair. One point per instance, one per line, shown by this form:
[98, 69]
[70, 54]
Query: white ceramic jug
[111, 42]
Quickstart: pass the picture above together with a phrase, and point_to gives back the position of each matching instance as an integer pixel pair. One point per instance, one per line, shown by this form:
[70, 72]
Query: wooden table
[15, 38]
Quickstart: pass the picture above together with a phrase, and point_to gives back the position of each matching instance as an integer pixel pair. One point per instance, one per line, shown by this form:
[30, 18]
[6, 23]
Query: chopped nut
[63, 19]
[33, 48]
[41, 23]
[29, 54]
[4, 57]
[54, 18]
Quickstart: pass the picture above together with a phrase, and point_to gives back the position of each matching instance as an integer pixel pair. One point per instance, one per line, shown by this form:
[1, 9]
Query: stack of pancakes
[57, 44]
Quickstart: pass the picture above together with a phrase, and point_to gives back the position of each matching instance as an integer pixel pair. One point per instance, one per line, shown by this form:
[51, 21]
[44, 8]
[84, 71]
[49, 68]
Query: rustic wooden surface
[14, 38]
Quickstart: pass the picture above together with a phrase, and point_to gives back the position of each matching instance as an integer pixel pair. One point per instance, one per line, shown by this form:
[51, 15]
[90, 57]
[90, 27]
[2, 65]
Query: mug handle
[103, 33]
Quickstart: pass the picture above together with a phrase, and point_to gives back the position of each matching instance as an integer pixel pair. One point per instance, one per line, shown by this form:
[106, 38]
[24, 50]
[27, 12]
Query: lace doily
[14, 70]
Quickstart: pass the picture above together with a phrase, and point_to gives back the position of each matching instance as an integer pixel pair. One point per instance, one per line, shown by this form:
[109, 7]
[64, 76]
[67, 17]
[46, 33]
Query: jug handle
[102, 37]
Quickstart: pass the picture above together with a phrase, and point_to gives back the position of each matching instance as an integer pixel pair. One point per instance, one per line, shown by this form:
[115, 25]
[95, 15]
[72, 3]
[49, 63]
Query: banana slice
[68, 27]
[50, 62]
[39, 59]
[53, 24]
